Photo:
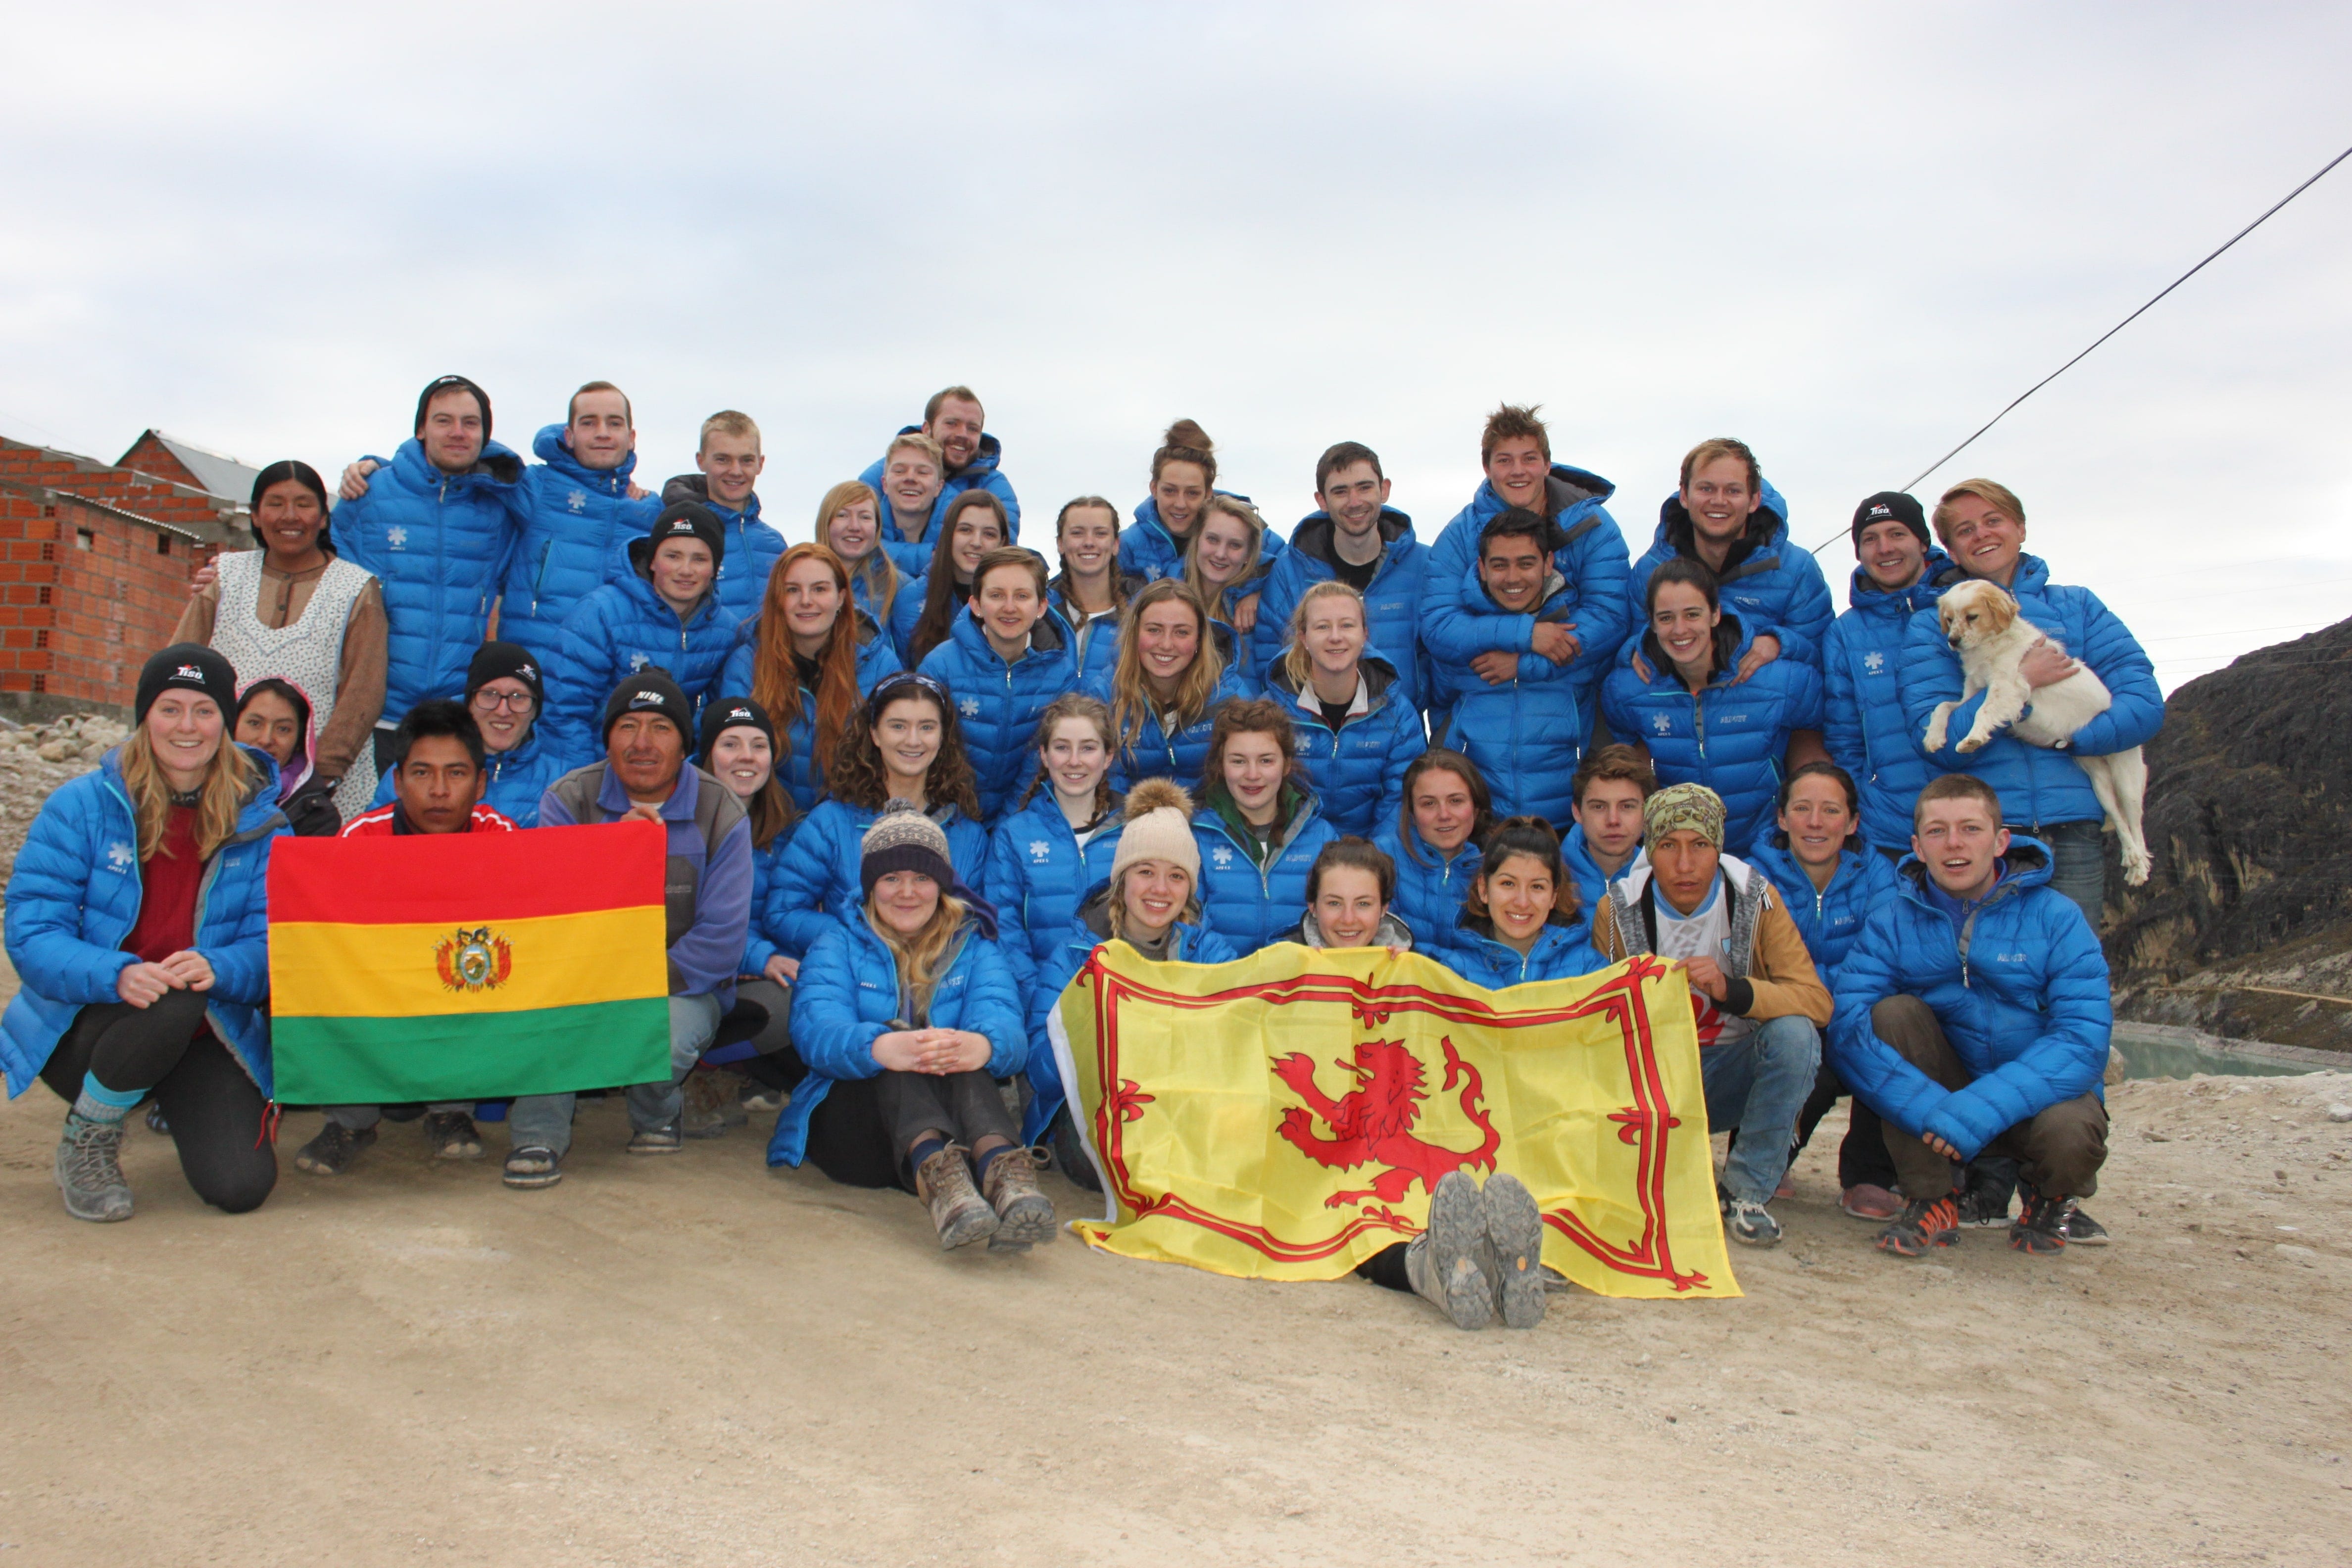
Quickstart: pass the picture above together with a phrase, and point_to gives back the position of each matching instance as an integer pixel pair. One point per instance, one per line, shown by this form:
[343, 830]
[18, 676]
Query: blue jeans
[2078, 863]
[1758, 1085]
[544, 1120]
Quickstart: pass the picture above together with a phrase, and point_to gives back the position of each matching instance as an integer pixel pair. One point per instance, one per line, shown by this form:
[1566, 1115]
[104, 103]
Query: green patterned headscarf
[1682, 806]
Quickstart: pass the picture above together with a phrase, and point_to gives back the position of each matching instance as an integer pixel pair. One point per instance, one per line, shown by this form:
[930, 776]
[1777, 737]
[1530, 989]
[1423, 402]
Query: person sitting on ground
[1725, 518]
[1347, 892]
[1758, 1004]
[1521, 922]
[1434, 845]
[1090, 590]
[1225, 564]
[506, 693]
[1166, 685]
[138, 927]
[748, 548]
[1519, 715]
[910, 483]
[1360, 539]
[1260, 825]
[1973, 1015]
[1692, 715]
[924, 616]
[1006, 657]
[274, 716]
[1606, 841]
[849, 523]
[437, 781]
[1046, 854]
[666, 613]
[707, 920]
[808, 658]
[906, 1016]
[1357, 729]
[967, 457]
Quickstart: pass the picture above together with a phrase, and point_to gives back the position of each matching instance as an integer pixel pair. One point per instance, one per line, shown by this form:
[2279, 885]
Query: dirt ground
[694, 1360]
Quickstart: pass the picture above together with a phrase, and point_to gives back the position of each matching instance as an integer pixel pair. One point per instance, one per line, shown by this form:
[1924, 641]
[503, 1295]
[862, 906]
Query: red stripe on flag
[467, 876]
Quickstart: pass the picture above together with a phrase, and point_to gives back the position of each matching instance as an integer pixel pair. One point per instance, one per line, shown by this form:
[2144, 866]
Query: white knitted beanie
[1158, 828]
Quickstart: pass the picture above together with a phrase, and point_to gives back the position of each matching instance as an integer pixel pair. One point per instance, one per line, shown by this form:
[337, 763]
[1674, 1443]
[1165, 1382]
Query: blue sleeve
[1804, 696]
[1810, 610]
[44, 919]
[828, 1030]
[796, 917]
[1873, 1069]
[1453, 633]
[2135, 711]
[991, 1006]
[1616, 704]
[997, 485]
[1278, 596]
[1930, 674]
[1005, 884]
[344, 526]
[906, 610]
[1637, 582]
[2068, 1059]
[584, 680]
[758, 948]
[1602, 616]
[735, 674]
[241, 967]
[1842, 726]
[704, 958]
[1051, 977]
[1406, 742]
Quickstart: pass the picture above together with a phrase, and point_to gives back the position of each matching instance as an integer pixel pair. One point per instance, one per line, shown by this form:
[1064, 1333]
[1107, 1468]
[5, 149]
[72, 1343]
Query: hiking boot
[2039, 1225]
[2079, 1229]
[331, 1154]
[1070, 1154]
[666, 1139]
[714, 1103]
[961, 1215]
[1750, 1224]
[451, 1135]
[1024, 1216]
[1450, 1263]
[533, 1166]
[89, 1170]
[1515, 1245]
[1982, 1208]
[1924, 1225]
[1865, 1200]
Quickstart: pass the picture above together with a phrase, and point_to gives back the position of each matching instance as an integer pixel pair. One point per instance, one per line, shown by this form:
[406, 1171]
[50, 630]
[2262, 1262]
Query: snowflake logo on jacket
[637, 661]
[577, 501]
[1222, 855]
[1040, 850]
[118, 856]
[970, 706]
[395, 538]
[1875, 662]
[1661, 724]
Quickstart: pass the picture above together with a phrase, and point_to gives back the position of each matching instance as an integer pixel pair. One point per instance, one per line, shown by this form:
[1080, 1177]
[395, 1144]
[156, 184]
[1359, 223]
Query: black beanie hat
[734, 712]
[493, 660]
[447, 383]
[286, 468]
[187, 666]
[650, 690]
[681, 520]
[1890, 504]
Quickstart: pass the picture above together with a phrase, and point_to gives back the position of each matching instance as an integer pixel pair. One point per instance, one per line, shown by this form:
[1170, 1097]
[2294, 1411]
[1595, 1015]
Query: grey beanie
[903, 839]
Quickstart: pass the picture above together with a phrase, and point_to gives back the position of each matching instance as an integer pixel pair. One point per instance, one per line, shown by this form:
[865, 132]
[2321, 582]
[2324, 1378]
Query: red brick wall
[150, 455]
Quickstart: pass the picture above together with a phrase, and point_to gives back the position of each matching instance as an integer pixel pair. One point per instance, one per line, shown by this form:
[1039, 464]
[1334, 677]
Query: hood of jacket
[496, 465]
[1315, 531]
[1935, 574]
[697, 487]
[2026, 865]
[1050, 635]
[1380, 677]
[639, 586]
[550, 448]
[1753, 550]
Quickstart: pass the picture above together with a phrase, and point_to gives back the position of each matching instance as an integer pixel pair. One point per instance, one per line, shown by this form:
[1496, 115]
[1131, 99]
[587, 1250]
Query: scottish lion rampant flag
[1286, 1116]
[468, 966]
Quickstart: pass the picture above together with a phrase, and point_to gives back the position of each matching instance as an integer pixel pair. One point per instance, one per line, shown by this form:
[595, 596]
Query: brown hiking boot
[714, 1103]
[1024, 1216]
[962, 1214]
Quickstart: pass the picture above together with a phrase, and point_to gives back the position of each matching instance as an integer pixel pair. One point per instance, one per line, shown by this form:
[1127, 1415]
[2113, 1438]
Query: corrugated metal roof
[217, 472]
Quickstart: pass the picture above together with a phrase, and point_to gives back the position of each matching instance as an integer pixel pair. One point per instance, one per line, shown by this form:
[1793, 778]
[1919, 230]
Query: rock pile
[35, 759]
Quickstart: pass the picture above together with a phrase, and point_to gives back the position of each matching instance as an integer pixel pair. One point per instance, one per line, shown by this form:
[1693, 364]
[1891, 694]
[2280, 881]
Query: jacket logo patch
[1875, 662]
[577, 501]
[1040, 850]
[970, 706]
[473, 960]
[395, 538]
[1661, 723]
[1222, 855]
[119, 857]
[637, 661]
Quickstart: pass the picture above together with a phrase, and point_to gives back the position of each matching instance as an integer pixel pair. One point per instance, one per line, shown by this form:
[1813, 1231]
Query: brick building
[94, 564]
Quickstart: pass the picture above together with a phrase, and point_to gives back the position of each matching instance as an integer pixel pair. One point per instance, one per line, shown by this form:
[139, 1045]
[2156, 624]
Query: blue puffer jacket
[1591, 883]
[1392, 603]
[616, 631]
[1357, 770]
[1067, 953]
[1246, 905]
[439, 544]
[1869, 733]
[577, 525]
[815, 883]
[1560, 952]
[1590, 557]
[1156, 754]
[74, 898]
[997, 703]
[2019, 986]
[1777, 588]
[1830, 918]
[804, 771]
[518, 778]
[1527, 734]
[1429, 890]
[2036, 784]
[1240, 652]
[1098, 648]
[1038, 871]
[752, 548]
[1147, 550]
[849, 996]
[1731, 738]
[759, 944]
[914, 558]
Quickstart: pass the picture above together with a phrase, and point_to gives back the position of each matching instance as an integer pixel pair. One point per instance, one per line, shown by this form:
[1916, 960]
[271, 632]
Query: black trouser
[859, 1136]
[214, 1108]
[1863, 1160]
[1386, 1268]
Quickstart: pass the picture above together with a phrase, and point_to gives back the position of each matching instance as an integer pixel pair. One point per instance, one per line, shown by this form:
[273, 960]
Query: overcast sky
[1847, 234]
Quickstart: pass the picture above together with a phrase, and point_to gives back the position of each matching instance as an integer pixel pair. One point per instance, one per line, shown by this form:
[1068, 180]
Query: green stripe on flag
[471, 1055]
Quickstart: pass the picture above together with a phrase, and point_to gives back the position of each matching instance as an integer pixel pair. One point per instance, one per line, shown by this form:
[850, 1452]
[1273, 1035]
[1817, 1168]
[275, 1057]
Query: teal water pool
[2159, 1050]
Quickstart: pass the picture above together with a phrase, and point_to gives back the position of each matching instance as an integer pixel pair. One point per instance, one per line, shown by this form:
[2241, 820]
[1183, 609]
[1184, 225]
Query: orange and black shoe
[2041, 1224]
[1924, 1225]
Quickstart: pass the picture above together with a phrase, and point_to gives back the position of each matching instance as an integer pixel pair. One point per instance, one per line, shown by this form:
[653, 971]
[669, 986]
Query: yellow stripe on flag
[347, 970]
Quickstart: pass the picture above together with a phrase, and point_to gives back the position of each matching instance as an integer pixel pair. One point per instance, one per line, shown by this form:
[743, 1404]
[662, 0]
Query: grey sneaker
[958, 1211]
[89, 1170]
[533, 1166]
[665, 1139]
[1750, 1224]
[1515, 1234]
[331, 1154]
[1450, 1263]
[451, 1135]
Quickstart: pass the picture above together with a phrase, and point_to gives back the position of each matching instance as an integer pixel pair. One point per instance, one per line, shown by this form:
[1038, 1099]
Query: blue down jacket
[849, 995]
[1357, 770]
[1068, 954]
[1868, 730]
[439, 544]
[518, 778]
[1560, 952]
[1246, 904]
[2037, 785]
[614, 633]
[1147, 550]
[997, 703]
[1590, 556]
[1392, 603]
[1591, 885]
[1037, 872]
[759, 946]
[914, 558]
[803, 770]
[815, 884]
[2019, 986]
[1156, 754]
[74, 899]
[1731, 738]
[576, 528]
[752, 548]
[1772, 584]
[1828, 918]
[1527, 734]
[1099, 645]
[1429, 889]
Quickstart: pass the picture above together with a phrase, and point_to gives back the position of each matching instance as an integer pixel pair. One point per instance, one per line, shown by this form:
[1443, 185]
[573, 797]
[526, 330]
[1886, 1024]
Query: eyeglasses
[512, 701]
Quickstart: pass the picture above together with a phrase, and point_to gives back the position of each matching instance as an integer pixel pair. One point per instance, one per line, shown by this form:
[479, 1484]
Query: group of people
[912, 777]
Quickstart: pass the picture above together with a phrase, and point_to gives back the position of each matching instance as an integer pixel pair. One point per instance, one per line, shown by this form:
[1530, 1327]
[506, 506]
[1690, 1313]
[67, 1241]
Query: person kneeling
[1756, 997]
[907, 1013]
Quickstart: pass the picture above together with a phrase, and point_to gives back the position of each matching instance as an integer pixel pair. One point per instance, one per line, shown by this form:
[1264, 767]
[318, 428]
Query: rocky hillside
[36, 759]
[2245, 927]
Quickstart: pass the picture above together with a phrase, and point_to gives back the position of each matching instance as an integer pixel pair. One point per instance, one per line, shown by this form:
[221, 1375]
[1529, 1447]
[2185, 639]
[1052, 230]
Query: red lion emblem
[1372, 1122]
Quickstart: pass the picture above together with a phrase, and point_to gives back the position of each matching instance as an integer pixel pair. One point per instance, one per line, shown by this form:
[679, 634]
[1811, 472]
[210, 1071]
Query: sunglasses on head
[903, 683]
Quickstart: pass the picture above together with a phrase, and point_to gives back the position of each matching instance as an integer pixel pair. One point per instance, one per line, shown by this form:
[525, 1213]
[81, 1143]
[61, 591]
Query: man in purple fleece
[706, 897]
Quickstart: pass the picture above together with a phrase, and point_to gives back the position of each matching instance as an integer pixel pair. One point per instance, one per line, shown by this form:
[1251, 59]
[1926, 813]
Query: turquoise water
[2166, 1055]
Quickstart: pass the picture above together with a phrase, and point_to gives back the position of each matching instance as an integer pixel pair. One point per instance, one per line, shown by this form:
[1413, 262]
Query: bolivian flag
[468, 966]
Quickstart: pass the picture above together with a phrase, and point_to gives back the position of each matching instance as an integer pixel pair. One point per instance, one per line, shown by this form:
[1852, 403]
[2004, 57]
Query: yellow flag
[1286, 1115]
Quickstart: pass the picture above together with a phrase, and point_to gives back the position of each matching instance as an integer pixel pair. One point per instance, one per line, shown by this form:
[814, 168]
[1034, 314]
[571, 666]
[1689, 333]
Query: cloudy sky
[1847, 234]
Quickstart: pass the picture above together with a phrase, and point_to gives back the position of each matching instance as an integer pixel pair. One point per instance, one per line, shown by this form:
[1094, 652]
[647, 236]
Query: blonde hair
[1114, 913]
[727, 422]
[1296, 661]
[1130, 702]
[1233, 507]
[919, 955]
[1719, 447]
[876, 571]
[230, 780]
[1991, 492]
[922, 444]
